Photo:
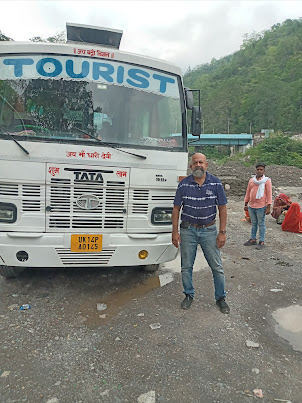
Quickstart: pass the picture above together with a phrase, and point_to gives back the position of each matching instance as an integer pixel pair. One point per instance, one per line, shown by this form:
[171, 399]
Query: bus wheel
[151, 268]
[10, 271]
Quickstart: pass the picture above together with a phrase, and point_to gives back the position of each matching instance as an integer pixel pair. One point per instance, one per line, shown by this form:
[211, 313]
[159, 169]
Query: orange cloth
[251, 192]
[293, 219]
[247, 216]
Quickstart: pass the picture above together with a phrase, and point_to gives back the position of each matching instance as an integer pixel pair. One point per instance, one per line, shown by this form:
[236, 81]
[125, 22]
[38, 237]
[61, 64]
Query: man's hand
[176, 239]
[246, 208]
[221, 239]
[268, 210]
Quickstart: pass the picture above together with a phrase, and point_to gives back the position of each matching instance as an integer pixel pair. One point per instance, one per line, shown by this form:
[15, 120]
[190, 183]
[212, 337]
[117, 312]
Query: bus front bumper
[21, 249]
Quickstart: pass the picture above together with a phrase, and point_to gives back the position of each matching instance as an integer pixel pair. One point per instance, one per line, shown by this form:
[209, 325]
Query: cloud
[183, 32]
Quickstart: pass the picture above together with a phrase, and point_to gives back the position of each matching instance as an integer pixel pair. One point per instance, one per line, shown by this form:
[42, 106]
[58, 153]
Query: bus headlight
[8, 212]
[161, 216]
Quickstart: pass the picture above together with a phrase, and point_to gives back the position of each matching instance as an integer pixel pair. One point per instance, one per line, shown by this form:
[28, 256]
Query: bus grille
[69, 258]
[31, 195]
[31, 198]
[140, 201]
[7, 189]
[65, 212]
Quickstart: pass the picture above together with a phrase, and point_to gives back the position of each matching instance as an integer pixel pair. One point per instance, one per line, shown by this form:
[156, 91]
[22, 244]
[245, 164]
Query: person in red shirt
[257, 202]
[293, 219]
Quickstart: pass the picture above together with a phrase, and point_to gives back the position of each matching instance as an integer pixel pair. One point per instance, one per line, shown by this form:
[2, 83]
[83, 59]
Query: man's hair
[260, 164]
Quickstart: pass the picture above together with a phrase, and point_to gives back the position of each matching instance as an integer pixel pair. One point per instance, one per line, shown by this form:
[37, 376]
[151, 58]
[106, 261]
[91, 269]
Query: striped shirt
[199, 202]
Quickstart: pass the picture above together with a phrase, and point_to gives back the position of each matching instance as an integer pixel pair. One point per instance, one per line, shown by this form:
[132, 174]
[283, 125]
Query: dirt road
[143, 347]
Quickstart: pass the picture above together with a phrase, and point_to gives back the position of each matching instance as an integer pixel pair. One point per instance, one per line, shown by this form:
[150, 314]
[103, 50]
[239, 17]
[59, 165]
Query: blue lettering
[97, 72]
[163, 82]
[134, 74]
[18, 63]
[41, 63]
[120, 74]
[72, 74]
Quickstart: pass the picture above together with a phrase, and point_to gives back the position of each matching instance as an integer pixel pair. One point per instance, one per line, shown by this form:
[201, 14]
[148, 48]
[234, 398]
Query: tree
[4, 37]
[59, 37]
[261, 83]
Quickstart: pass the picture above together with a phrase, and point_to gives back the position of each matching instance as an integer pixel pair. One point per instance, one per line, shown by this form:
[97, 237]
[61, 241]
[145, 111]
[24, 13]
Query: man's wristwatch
[222, 232]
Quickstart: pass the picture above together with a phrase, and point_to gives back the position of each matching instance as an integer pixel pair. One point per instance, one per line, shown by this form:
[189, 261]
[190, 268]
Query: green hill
[258, 87]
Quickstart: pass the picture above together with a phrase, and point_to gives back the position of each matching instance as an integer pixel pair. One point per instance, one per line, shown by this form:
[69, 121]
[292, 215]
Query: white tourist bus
[93, 141]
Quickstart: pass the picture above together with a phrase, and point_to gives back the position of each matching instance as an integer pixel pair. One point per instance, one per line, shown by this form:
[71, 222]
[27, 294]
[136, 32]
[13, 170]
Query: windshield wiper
[13, 109]
[3, 131]
[110, 145]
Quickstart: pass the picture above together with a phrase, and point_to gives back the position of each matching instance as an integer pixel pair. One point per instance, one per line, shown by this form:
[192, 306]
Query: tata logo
[88, 202]
[88, 176]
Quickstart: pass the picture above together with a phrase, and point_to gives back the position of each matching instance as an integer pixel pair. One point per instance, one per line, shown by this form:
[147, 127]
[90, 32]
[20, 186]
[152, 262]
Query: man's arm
[221, 238]
[247, 197]
[175, 233]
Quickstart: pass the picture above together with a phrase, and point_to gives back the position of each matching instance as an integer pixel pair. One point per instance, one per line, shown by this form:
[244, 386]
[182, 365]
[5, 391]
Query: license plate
[86, 242]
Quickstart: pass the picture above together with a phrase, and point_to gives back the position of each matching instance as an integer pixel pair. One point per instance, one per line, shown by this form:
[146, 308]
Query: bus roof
[73, 49]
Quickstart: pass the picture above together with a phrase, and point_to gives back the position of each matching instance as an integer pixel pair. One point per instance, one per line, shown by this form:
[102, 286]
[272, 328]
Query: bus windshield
[60, 110]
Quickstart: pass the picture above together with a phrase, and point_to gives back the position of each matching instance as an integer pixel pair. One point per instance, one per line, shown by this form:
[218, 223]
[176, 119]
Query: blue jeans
[206, 238]
[257, 216]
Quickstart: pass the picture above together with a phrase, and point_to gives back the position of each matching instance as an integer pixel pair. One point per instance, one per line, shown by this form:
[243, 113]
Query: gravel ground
[237, 176]
[64, 350]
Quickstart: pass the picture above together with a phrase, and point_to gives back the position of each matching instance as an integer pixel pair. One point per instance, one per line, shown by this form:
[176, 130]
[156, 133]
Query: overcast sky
[187, 33]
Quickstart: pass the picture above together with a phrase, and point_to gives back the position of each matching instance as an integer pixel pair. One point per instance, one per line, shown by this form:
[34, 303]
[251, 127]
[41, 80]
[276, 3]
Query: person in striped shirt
[198, 196]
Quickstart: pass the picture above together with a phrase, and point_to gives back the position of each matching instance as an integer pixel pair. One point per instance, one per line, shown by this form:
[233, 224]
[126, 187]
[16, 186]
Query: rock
[250, 343]
[14, 306]
[147, 397]
[155, 326]
[101, 307]
[258, 392]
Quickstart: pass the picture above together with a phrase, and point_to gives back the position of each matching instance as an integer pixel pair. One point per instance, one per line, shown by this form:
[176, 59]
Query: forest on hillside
[257, 87]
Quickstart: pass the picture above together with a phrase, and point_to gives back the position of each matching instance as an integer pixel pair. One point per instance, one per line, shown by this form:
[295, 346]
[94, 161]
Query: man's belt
[185, 225]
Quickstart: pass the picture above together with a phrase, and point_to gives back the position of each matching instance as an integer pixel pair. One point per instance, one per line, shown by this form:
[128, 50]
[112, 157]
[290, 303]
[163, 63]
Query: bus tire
[151, 268]
[10, 271]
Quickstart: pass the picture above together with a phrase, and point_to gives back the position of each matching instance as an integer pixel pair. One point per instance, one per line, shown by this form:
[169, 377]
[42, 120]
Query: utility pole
[202, 126]
[228, 126]
[251, 128]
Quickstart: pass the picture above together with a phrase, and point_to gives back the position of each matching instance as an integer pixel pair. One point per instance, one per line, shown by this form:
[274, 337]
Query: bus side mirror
[196, 121]
[189, 98]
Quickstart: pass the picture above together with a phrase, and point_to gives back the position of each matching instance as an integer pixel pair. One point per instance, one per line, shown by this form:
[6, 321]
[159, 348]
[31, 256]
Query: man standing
[198, 195]
[258, 200]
